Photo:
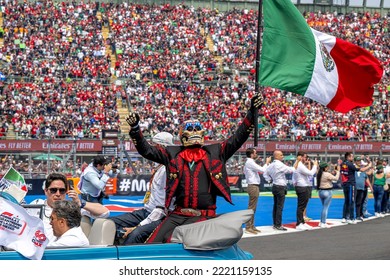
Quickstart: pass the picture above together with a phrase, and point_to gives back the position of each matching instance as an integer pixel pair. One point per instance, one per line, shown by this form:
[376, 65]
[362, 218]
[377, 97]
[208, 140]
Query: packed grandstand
[68, 67]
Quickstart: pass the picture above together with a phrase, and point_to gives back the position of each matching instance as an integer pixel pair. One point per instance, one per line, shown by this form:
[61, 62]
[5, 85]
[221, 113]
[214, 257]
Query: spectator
[362, 182]
[385, 199]
[303, 187]
[251, 171]
[325, 185]
[64, 46]
[276, 173]
[370, 176]
[348, 170]
[379, 182]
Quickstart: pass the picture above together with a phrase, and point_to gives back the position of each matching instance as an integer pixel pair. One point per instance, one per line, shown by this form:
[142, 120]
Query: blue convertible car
[135, 252]
[214, 239]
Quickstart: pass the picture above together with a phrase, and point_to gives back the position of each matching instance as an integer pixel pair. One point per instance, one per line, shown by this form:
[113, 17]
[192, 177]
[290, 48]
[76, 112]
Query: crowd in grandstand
[174, 62]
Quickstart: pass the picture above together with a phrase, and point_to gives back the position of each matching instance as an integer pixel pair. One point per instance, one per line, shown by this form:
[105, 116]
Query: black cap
[100, 160]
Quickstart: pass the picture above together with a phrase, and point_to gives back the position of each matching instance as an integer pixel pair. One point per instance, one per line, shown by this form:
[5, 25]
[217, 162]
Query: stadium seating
[63, 76]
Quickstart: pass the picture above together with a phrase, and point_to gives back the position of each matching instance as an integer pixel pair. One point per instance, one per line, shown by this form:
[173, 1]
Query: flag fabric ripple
[299, 59]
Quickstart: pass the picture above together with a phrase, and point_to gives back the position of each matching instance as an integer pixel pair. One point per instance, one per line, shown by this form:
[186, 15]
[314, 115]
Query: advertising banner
[35, 186]
[55, 145]
[111, 146]
[132, 185]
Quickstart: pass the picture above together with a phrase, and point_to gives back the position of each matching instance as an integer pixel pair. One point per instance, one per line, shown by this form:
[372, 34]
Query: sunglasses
[54, 190]
[193, 126]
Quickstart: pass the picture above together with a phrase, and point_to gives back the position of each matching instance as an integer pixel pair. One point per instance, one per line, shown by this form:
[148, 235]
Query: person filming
[94, 178]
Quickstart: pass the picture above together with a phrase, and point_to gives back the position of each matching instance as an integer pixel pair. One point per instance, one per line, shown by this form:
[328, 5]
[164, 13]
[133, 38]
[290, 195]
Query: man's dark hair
[347, 154]
[102, 160]
[68, 210]
[301, 154]
[56, 176]
[249, 151]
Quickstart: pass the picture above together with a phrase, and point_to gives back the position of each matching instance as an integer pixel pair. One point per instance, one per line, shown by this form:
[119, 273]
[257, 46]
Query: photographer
[94, 178]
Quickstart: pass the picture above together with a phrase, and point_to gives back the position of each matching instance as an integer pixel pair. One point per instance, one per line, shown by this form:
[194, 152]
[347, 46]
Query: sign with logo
[55, 145]
[132, 185]
[129, 185]
[109, 134]
[35, 186]
[323, 2]
[111, 186]
[110, 151]
[95, 146]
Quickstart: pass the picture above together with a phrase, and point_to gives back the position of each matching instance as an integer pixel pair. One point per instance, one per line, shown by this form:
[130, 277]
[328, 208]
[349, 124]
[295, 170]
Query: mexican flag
[299, 59]
[13, 186]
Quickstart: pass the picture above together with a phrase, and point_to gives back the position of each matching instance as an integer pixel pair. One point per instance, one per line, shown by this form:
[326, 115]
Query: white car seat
[102, 232]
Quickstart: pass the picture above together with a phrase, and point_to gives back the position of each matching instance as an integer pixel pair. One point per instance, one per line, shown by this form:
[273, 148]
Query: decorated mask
[192, 133]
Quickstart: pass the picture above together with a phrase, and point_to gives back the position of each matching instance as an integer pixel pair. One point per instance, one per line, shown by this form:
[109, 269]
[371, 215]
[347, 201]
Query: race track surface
[368, 240]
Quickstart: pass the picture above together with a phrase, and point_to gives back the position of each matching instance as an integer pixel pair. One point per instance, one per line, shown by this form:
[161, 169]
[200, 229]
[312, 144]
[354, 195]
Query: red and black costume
[196, 174]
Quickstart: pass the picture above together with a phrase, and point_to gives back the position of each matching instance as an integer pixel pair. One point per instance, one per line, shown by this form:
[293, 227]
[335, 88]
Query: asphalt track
[368, 240]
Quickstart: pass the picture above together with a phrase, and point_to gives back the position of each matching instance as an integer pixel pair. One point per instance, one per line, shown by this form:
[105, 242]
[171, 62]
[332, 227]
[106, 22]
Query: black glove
[133, 119]
[256, 102]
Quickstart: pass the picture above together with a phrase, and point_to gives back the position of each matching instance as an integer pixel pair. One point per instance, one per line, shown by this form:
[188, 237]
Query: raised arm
[256, 167]
[143, 147]
[96, 210]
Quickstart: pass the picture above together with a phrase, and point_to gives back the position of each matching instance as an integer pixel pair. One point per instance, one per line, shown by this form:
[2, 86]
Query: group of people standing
[357, 176]
[275, 172]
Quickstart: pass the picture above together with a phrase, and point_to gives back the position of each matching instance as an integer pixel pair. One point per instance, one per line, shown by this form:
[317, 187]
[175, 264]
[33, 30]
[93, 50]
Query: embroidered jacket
[195, 175]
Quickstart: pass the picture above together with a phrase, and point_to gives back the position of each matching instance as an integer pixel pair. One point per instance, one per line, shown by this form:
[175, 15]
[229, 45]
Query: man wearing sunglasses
[56, 189]
[196, 173]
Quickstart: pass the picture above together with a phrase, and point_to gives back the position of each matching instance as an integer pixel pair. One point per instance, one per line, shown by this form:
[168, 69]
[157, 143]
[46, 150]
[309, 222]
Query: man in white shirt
[251, 171]
[135, 227]
[56, 189]
[303, 187]
[65, 220]
[276, 172]
[94, 178]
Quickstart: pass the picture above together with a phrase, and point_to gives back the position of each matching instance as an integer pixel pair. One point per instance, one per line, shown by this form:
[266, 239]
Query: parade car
[166, 251]
[214, 239]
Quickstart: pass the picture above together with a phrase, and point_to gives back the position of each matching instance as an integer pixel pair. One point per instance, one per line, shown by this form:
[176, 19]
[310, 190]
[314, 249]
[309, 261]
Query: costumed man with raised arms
[196, 173]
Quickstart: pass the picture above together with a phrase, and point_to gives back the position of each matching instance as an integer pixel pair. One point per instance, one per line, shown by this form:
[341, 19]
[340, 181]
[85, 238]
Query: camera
[114, 166]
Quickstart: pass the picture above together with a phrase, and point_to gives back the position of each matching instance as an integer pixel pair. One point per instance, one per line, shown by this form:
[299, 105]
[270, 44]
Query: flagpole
[257, 80]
